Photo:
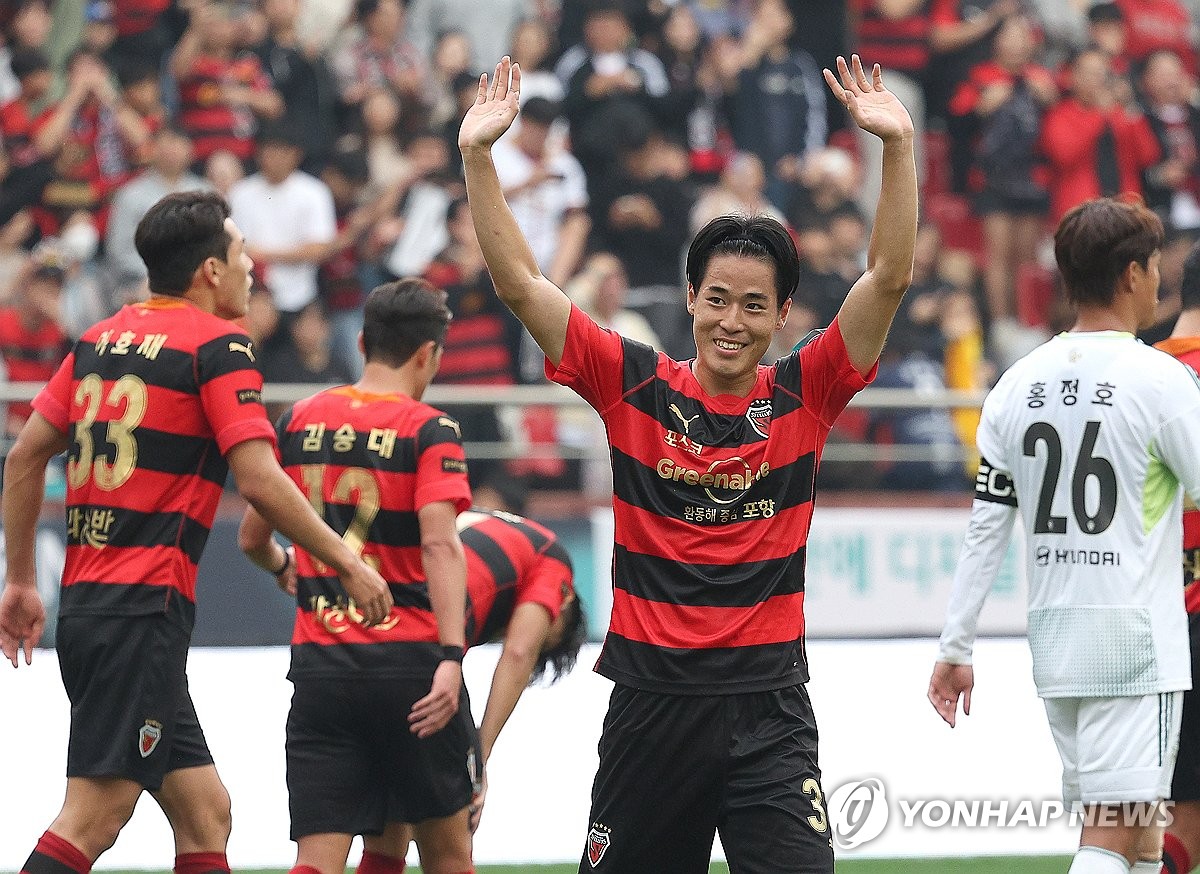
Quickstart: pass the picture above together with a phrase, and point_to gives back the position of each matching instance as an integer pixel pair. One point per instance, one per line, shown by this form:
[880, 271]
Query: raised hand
[873, 108]
[495, 108]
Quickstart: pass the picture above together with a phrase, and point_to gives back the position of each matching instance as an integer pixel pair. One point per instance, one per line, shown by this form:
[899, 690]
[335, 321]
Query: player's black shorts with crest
[675, 769]
[353, 765]
[131, 712]
[1185, 785]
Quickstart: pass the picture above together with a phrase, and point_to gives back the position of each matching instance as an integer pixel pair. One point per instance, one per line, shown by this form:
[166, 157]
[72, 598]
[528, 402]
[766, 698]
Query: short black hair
[540, 110]
[561, 657]
[177, 234]
[351, 162]
[1096, 241]
[27, 61]
[1189, 286]
[1101, 13]
[400, 317]
[759, 236]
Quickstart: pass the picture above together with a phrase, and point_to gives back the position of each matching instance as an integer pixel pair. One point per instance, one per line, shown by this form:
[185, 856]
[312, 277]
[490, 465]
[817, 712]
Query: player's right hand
[22, 618]
[949, 683]
[495, 108]
[369, 591]
[431, 714]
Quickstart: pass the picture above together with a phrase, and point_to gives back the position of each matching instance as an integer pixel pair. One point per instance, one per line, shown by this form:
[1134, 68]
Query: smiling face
[734, 316]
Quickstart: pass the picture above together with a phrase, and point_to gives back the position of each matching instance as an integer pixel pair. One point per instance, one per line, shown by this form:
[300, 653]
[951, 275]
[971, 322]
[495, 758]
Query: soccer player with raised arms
[154, 406]
[1087, 440]
[709, 726]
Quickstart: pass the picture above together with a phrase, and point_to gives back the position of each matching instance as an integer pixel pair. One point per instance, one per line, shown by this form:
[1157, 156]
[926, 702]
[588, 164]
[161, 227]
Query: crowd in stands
[331, 127]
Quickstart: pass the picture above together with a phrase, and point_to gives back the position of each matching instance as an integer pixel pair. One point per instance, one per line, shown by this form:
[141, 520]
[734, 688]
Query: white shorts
[1116, 749]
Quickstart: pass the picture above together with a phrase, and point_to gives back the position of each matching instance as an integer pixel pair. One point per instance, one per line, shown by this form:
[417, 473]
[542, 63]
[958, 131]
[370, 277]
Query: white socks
[1149, 867]
[1093, 860]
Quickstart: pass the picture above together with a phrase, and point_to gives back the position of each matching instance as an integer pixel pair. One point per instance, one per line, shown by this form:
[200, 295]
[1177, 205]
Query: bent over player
[371, 737]
[710, 726]
[153, 406]
[1087, 439]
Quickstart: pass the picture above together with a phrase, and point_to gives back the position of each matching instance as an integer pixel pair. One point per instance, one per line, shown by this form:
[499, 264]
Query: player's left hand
[947, 684]
[431, 713]
[495, 108]
[22, 618]
[476, 807]
[287, 581]
[873, 108]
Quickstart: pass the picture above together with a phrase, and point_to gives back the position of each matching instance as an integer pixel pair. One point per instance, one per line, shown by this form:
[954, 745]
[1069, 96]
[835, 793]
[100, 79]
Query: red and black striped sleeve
[231, 391]
[54, 401]
[829, 380]
[441, 464]
[592, 362]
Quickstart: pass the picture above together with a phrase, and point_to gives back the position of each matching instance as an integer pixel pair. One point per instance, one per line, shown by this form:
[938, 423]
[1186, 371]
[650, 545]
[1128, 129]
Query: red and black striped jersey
[30, 355]
[154, 396]
[1187, 350]
[510, 561]
[368, 464]
[712, 499]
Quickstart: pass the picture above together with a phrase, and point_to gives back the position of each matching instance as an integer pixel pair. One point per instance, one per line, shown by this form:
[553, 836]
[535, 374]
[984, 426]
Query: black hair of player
[177, 234]
[27, 61]
[1097, 241]
[400, 317]
[561, 657]
[1189, 286]
[760, 237]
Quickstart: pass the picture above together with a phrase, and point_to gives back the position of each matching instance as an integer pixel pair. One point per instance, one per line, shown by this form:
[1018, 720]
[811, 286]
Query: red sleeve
[546, 584]
[828, 379]
[1068, 136]
[231, 391]
[441, 465]
[592, 361]
[944, 12]
[54, 401]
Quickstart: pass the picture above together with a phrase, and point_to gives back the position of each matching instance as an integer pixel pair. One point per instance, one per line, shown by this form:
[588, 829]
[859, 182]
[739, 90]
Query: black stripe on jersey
[349, 660]
[404, 595]
[170, 369]
[705, 585]
[92, 525]
[86, 598]
[642, 487]
[390, 528]
[162, 452]
[558, 552]
[402, 459]
[437, 430]
[224, 355]
[504, 579]
[678, 412]
[639, 364]
[702, 671]
[994, 486]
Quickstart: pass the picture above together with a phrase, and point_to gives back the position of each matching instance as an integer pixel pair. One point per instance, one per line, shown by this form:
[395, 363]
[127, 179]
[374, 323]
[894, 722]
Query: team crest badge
[598, 841]
[759, 417]
[148, 737]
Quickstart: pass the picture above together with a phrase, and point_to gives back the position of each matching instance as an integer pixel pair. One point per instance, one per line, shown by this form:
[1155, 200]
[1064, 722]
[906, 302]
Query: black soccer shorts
[353, 765]
[131, 712]
[1185, 784]
[675, 769]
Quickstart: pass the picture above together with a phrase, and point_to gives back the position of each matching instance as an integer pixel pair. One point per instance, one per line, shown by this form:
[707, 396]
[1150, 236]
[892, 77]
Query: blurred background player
[704, 643]
[153, 406]
[521, 592]
[1090, 437]
[1181, 844]
[371, 737]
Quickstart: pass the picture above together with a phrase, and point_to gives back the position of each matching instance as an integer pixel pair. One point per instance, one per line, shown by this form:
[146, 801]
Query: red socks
[378, 863]
[1175, 856]
[52, 854]
[201, 863]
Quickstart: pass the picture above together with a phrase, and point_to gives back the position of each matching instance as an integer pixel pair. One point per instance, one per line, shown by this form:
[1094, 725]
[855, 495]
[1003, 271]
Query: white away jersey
[1089, 437]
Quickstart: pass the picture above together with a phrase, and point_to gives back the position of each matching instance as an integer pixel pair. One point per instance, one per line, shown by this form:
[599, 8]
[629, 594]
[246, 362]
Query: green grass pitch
[985, 865]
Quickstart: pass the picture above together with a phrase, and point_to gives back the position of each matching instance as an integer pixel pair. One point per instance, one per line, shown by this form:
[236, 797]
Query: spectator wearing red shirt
[92, 137]
[1095, 146]
[28, 171]
[222, 92]
[32, 343]
[1004, 100]
[1151, 25]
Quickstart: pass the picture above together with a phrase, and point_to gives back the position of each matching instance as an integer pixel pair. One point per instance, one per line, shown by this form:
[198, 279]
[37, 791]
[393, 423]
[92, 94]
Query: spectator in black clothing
[609, 83]
[307, 358]
[681, 54]
[303, 81]
[779, 105]
[1172, 188]
[639, 214]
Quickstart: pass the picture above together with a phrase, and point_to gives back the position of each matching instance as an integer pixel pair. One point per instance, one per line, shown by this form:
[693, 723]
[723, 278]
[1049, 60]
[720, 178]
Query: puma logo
[242, 347]
[687, 423]
[451, 424]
